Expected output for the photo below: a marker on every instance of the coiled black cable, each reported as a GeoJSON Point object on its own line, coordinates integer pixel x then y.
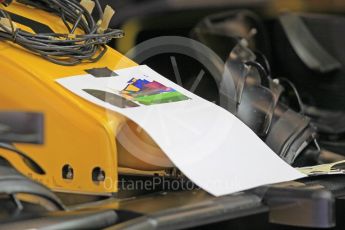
{"type": "Point", "coordinates": [67, 49]}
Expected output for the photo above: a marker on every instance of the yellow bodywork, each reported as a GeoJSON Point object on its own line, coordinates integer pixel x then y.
{"type": "Point", "coordinates": [77, 132]}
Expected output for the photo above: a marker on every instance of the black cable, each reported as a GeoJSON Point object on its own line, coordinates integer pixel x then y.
{"type": "Point", "coordinates": [63, 49]}
{"type": "Point", "coordinates": [297, 95]}
{"type": "Point", "coordinates": [263, 57]}
{"type": "Point", "coordinates": [262, 72]}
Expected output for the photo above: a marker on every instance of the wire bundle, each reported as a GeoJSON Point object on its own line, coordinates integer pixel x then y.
{"type": "Point", "coordinates": [64, 49]}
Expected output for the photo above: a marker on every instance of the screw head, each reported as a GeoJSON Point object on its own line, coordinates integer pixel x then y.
{"type": "Point", "coordinates": [98, 174]}
{"type": "Point", "coordinates": [67, 172]}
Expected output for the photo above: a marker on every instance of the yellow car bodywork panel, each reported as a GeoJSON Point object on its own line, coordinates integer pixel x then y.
{"type": "Point", "coordinates": [77, 132]}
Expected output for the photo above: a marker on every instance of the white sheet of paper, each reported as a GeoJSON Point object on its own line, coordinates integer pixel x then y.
{"type": "Point", "coordinates": [208, 144]}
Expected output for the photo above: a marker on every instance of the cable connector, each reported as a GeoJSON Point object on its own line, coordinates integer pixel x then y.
{"type": "Point", "coordinates": [5, 22]}
{"type": "Point", "coordinates": [89, 5]}
{"type": "Point", "coordinates": [104, 23]}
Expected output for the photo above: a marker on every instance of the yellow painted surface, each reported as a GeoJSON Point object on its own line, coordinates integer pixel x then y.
{"type": "Point", "coordinates": [77, 132]}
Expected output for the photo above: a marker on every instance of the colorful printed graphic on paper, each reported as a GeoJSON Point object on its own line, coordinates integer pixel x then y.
{"type": "Point", "coordinates": [150, 92]}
